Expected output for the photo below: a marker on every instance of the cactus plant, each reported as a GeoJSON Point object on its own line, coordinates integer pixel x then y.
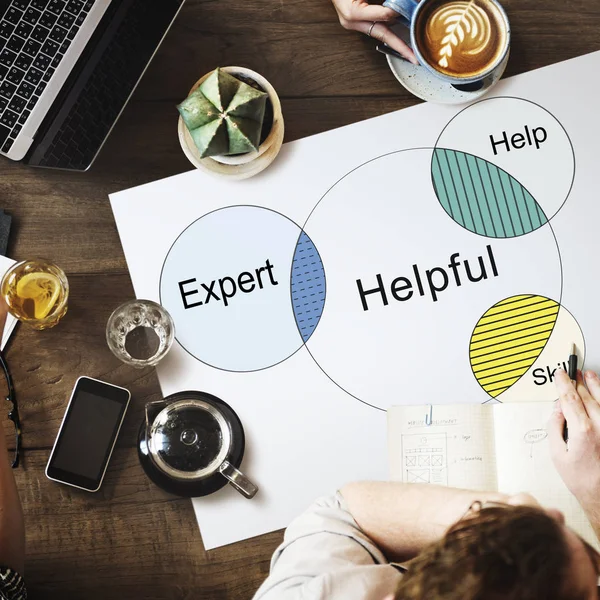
{"type": "Point", "coordinates": [224, 115]}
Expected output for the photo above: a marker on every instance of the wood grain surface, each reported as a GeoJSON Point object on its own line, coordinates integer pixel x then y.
{"type": "Point", "coordinates": [131, 540]}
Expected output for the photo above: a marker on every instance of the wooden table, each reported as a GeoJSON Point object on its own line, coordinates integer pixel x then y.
{"type": "Point", "coordinates": [131, 540]}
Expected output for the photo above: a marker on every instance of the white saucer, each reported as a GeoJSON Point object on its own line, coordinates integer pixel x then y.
{"type": "Point", "coordinates": [420, 82]}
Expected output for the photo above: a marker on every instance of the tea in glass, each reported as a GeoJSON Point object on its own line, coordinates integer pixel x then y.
{"type": "Point", "coordinates": [36, 293]}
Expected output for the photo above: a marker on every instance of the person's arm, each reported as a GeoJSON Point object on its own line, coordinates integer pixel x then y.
{"type": "Point", "coordinates": [578, 459]}
{"type": "Point", "coordinates": [343, 545]}
{"type": "Point", "coordinates": [403, 518]}
{"type": "Point", "coordinates": [325, 554]}
{"type": "Point", "coordinates": [12, 529]}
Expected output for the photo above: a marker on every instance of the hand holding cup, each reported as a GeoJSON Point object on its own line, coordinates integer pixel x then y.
{"type": "Point", "coordinates": [372, 20]}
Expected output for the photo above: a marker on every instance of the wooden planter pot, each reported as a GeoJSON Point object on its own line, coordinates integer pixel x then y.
{"type": "Point", "coordinates": [240, 166]}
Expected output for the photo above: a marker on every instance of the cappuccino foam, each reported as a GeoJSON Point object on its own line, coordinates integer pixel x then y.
{"type": "Point", "coordinates": [461, 38]}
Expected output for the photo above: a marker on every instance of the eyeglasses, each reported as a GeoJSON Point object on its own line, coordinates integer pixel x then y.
{"type": "Point", "coordinates": [13, 413]}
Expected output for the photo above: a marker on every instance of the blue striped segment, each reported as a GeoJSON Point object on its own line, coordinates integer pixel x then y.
{"type": "Point", "coordinates": [482, 197]}
{"type": "Point", "coordinates": [308, 286]}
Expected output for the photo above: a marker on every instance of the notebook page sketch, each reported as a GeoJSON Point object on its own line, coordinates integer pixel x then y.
{"type": "Point", "coordinates": [524, 464]}
{"type": "Point", "coordinates": [456, 450]}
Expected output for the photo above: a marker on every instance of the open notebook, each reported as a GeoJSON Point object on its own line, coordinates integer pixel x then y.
{"type": "Point", "coordinates": [493, 447]}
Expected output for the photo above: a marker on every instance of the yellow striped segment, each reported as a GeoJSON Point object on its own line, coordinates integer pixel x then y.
{"type": "Point", "coordinates": [509, 348]}
{"type": "Point", "coordinates": [514, 299]}
{"type": "Point", "coordinates": [516, 316]}
{"type": "Point", "coordinates": [512, 338]}
{"type": "Point", "coordinates": [509, 338]}
{"type": "Point", "coordinates": [505, 365]}
{"type": "Point", "coordinates": [478, 357]}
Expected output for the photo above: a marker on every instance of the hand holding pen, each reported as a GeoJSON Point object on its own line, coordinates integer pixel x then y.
{"type": "Point", "coordinates": [578, 462]}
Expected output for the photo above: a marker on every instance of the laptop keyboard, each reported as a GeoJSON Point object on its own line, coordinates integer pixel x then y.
{"type": "Point", "coordinates": [34, 36]}
{"type": "Point", "coordinates": [92, 107]}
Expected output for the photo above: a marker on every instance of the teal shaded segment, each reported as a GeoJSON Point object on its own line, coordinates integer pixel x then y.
{"type": "Point", "coordinates": [478, 190]}
{"type": "Point", "coordinates": [461, 195]}
{"type": "Point", "coordinates": [469, 193]}
{"type": "Point", "coordinates": [448, 185]}
{"type": "Point", "coordinates": [442, 194]}
{"type": "Point", "coordinates": [482, 197]}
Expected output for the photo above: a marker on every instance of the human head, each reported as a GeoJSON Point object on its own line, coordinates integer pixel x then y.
{"type": "Point", "coordinates": [504, 552]}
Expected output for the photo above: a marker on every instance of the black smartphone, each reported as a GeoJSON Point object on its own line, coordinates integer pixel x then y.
{"type": "Point", "coordinates": [88, 433]}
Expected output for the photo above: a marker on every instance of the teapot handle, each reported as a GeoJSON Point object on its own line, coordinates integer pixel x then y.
{"type": "Point", "coordinates": [238, 480]}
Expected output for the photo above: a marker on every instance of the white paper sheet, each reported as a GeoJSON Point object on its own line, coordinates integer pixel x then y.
{"type": "Point", "coordinates": [366, 197]}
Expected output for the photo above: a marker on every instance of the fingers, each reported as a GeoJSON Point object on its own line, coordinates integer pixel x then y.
{"type": "Point", "coordinates": [570, 402]}
{"type": "Point", "coordinates": [393, 41]}
{"type": "Point", "coordinates": [351, 13]}
{"type": "Point", "coordinates": [556, 430]}
{"type": "Point", "coordinates": [371, 19]}
{"type": "Point", "coordinates": [371, 12]}
{"type": "Point", "coordinates": [593, 384]}
{"type": "Point", "coordinates": [591, 406]}
{"type": "Point", "coordinates": [382, 33]}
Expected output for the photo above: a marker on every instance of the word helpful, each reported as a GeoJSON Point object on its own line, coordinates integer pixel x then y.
{"type": "Point", "coordinates": [431, 282]}
{"type": "Point", "coordinates": [535, 136]}
{"type": "Point", "coordinates": [225, 288]}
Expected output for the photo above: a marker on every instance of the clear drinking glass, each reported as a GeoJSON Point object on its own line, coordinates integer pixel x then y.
{"type": "Point", "coordinates": [140, 333]}
{"type": "Point", "coordinates": [36, 292]}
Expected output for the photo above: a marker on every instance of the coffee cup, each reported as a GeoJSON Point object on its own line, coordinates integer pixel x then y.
{"type": "Point", "coordinates": [462, 42]}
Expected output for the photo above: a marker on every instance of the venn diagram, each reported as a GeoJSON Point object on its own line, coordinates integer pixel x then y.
{"type": "Point", "coordinates": [437, 262]}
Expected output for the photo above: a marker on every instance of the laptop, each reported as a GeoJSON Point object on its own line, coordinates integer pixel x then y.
{"type": "Point", "coordinates": [67, 70]}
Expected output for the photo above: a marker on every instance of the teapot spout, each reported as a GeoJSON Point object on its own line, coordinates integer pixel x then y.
{"type": "Point", "coordinates": [152, 409]}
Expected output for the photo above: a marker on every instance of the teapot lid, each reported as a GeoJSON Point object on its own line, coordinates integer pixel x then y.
{"type": "Point", "coordinates": [189, 439]}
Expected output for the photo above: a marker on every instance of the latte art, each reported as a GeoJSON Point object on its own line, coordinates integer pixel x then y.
{"type": "Point", "coordinates": [461, 38]}
{"type": "Point", "coordinates": [467, 30]}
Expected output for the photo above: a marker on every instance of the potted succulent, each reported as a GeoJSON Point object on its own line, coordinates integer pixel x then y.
{"type": "Point", "coordinates": [231, 123]}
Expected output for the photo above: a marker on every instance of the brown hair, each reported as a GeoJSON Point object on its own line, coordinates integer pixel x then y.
{"type": "Point", "coordinates": [507, 553]}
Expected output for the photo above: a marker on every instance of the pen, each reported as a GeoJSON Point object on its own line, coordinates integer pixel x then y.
{"type": "Point", "coordinates": [385, 49]}
{"type": "Point", "coordinates": [572, 377]}
{"type": "Point", "coordinates": [573, 363]}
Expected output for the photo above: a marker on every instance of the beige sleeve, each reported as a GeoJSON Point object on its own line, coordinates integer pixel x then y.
{"type": "Point", "coordinates": [325, 555]}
